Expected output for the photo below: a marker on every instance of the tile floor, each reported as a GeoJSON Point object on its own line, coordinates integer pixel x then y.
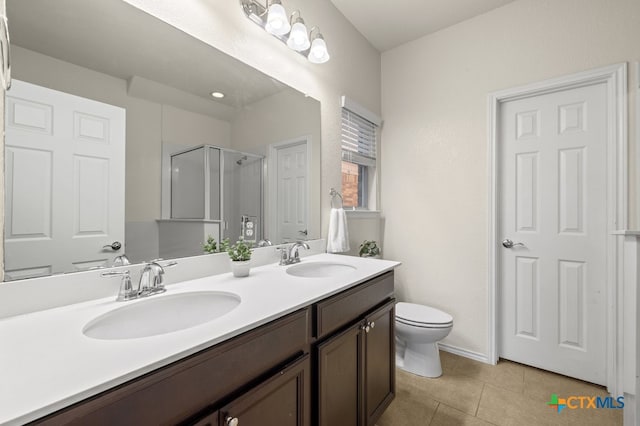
{"type": "Point", "coordinates": [473, 393]}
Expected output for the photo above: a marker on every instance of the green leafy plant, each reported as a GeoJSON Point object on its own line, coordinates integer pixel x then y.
{"type": "Point", "coordinates": [369, 249]}
{"type": "Point", "coordinates": [240, 251]}
{"type": "Point", "coordinates": [211, 246]}
{"type": "Point", "coordinates": [224, 245]}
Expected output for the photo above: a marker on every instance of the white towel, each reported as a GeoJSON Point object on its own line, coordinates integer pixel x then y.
{"type": "Point", "coordinates": [338, 239]}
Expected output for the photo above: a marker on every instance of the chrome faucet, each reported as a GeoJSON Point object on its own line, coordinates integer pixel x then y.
{"type": "Point", "coordinates": [289, 255]}
{"type": "Point", "coordinates": [151, 281]}
{"type": "Point", "coordinates": [294, 256]}
{"type": "Point", "coordinates": [264, 243]}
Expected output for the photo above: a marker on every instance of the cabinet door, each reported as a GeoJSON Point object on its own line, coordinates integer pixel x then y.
{"type": "Point", "coordinates": [339, 391]}
{"type": "Point", "coordinates": [379, 362]}
{"type": "Point", "coordinates": [283, 400]}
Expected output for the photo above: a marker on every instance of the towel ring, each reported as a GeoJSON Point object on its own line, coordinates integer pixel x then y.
{"type": "Point", "coordinates": [333, 194]}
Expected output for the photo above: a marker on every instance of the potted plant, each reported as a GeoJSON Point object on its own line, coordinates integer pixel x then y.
{"type": "Point", "coordinates": [369, 249]}
{"type": "Point", "coordinates": [240, 255]}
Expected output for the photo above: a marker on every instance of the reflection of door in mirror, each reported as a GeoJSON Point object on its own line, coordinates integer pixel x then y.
{"type": "Point", "coordinates": [65, 182]}
{"type": "Point", "coordinates": [291, 177]}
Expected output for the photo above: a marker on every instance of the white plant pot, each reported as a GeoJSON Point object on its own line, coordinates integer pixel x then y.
{"type": "Point", "coordinates": [240, 268]}
{"type": "Point", "coordinates": [377, 256]}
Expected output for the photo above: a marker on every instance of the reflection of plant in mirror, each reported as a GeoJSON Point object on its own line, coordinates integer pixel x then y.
{"type": "Point", "coordinates": [240, 251]}
{"type": "Point", "coordinates": [211, 246]}
{"type": "Point", "coordinates": [224, 245]}
{"type": "Point", "coordinates": [369, 249]}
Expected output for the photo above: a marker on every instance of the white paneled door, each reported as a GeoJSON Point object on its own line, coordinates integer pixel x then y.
{"type": "Point", "coordinates": [292, 193]}
{"type": "Point", "coordinates": [552, 223]}
{"type": "Point", "coordinates": [64, 171]}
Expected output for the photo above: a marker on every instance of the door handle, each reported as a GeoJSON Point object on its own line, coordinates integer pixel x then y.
{"type": "Point", "coordinates": [303, 232]}
{"type": "Point", "coordinates": [115, 246]}
{"type": "Point", "coordinates": [507, 243]}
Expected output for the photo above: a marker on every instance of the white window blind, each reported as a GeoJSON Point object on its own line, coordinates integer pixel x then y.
{"type": "Point", "coordinates": [358, 139]}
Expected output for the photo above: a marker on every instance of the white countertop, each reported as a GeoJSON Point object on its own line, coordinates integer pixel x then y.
{"type": "Point", "coordinates": [47, 363]}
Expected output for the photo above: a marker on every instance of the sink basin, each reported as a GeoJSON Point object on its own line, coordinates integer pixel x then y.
{"type": "Point", "coordinates": [319, 269]}
{"type": "Point", "coordinates": [161, 314]}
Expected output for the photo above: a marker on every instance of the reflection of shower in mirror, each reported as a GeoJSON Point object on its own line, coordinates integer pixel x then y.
{"type": "Point", "coordinates": [211, 193]}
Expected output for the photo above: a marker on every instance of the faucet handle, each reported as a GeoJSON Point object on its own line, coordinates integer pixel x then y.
{"type": "Point", "coordinates": [166, 265]}
{"type": "Point", "coordinates": [126, 291]}
{"type": "Point", "coordinates": [284, 255]}
{"type": "Point", "coordinates": [121, 260]}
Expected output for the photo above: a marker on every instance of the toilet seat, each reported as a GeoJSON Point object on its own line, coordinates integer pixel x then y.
{"type": "Point", "coordinates": [422, 316]}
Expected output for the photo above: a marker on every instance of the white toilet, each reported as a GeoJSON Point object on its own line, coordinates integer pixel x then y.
{"type": "Point", "coordinates": [418, 329]}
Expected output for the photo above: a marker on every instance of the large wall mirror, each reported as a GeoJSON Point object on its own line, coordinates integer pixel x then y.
{"type": "Point", "coordinates": [115, 145]}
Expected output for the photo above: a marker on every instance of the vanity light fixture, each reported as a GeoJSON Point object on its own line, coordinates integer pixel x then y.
{"type": "Point", "coordinates": [277, 22]}
{"type": "Point", "coordinates": [298, 38]}
{"type": "Point", "coordinates": [272, 17]}
{"type": "Point", "coordinates": [318, 53]}
{"type": "Point", "coordinates": [218, 95]}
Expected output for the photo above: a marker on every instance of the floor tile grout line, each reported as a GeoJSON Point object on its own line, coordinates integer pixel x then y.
{"type": "Point", "coordinates": [433, 416]}
{"type": "Point", "coordinates": [479, 400]}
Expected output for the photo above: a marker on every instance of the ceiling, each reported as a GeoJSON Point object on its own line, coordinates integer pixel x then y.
{"type": "Point", "coordinates": [387, 24]}
{"type": "Point", "coordinates": [105, 36]}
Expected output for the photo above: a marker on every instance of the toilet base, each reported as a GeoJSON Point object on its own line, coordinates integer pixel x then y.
{"type": "Point", "coordinates": [422, 359]}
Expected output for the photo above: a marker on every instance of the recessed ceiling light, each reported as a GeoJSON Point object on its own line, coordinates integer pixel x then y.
{"type": "Point", "coordinates": [217, 95]}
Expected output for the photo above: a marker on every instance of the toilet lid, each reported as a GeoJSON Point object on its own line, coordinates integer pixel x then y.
{"type": "Point", "coordinates": [421, 315]}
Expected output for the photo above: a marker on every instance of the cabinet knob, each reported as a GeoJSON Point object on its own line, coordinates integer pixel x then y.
{"type": "Point", "coordinates": [368, 326]}
{"type": "Point", "coordinates": [231, 421]}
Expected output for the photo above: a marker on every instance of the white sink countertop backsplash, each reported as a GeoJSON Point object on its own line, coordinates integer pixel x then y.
{"type": "Point", "coordinates": [47, 363]}
{"type": "Point", "coordinates": [37, 294]}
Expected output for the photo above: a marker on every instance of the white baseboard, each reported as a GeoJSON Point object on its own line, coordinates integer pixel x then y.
{"type": "Point", "coordinates": [476, 356]}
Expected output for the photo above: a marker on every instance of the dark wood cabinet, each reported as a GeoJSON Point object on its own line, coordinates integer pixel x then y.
{"type": "Point", "coordinates": [379, 362]}
{"type": "Point", "coordinates": [338, 378]}
{"type": "Point", "coordinates": [329, 364]}
{"type": "Point", "coordinates": [344, 308]}
{"type": "Point", "coordinates": [355, 376]}
{"type": "Point", "coordinates": [283, 400]}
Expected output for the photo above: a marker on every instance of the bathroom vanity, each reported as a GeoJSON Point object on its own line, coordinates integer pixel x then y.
{"type": "Point", "coordinates": [322, 353]}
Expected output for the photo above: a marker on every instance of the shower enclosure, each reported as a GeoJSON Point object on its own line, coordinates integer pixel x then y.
{"type": "Point", "coordinates": [221, 188]}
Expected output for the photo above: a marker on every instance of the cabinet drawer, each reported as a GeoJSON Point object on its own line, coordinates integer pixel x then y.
{"type": "Point", "coordinates": [178, 391]}
{"type": "Point", "coordinates": [347, 306]}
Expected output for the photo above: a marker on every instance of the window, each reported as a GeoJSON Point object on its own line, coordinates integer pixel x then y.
{"type": "Point", "coordinates": [358, 160]}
